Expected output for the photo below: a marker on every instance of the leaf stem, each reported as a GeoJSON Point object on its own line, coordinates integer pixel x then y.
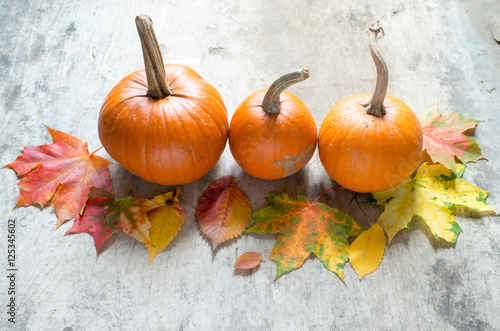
{"type": "Point", "coordinates": [335, 187]}
{"type": "Point", "coordinates": [355, 198]}
{"type": "Point", "coordinates": [153, 61]}
{"type": "Point", "coordinates": [97, 150]}
{"type": "Point", "coordinates": [128, 187]}
{"type": "Point", "coordinates": [271, 102]}
{"type": "Point", "coordinates": [376, 105]}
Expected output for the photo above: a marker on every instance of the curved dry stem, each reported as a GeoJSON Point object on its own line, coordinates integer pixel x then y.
{"type": "Point", "coordinates": [271, 102]}
{"type": "Point", "coordinates": [153, 61]}
{"type": "Point", "coordinates": [376, 105]}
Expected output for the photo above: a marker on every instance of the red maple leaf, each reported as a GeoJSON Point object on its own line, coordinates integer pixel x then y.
{"type": "Point", "coordinates": [98, 219]}
{"type": "Point", "coordinates": [62, 172]}
{"type": "Point", "coordinates": [446, 137]}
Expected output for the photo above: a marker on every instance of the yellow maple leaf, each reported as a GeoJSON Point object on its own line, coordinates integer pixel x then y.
{"type": "Point", "coordinates": [431, 194]}
{"type": "Point", "coordinates": [166, 220]}
{"type": "Point", "coordinates": [367, 250]}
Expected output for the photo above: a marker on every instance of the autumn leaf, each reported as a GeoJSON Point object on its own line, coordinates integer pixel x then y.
{"type": "Point", "coordinates": [166, 221]}
{"type": "Point", "coordinates": [133, 218]}
{"type": "Point", "coordinates": [97, 219]}
{"type": "Point", "coordinates": [104, 216]}
{"type": "Point", "coordinates": [305, 228]}
{"type": "Point", "coordinates": [223, 210]}
{"type": "Point", "coordinates": [367, 250]}
{"type": "Point", "coordinates": [431, 194]}
{"type": "Point", "coordinates": [248, 260]}
{"type": "Point", "coordinates": [62, 172]}
{"type": "Point", "coordinates": [445, 137]}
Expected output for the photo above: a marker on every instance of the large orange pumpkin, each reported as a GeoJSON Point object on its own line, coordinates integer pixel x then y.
{"type": "Point", "coordinates": [371, 142]}
{"type": "Point", "coordinates": [272, 133]}
{"type": "Point", "coordinates": [165, 123]}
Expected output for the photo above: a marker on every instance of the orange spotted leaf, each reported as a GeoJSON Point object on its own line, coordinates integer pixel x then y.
{"type": "Point", "coordinates": [61, 173]}
{"type": "Point", "coordinates": [305, 228]}
{"type": "Point", "coordinates": [133, 218]}
{"type": "Point", "coordinates": [104, 216]}
{"type": "Point", "coordinates": [447, 136]}
{"type": "Point", "coordinates": [223, 210]}
{"type": "Point", "coordinates": [248, 260]}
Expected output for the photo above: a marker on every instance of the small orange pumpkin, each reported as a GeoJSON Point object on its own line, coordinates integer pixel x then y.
{"type": "Point", "coordinates": [370, 142]}
{"type": "Point", "coordinates": [164, 124]}
{"type": "Point", "coordinates": [272, 133]}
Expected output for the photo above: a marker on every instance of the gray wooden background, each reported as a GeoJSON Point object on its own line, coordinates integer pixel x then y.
{"type": "Point", "coordinates": [59, 59]}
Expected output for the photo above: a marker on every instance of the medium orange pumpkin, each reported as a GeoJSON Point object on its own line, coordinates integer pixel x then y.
{"type": "Point", "coordinates": [164, 124]}
{"type": "Point", "coordinates": [370, 142]}
{"type": "Point", "coordinates": [272, 133]}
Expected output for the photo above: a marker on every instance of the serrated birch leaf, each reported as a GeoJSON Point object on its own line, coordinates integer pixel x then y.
{"type": "Point", "coordinates": [166, 221]}
{"type": "Point", "coordinates": [445, 137]}
{"type": "Point", "coordinates": [431, 194]}
{"type": "Point", "coordinates": [61, 173]}
{"type": "Point", "coordinates": [367, 250]}
{"type": "Point", "coordinates": [248, 260]}
{"type": "Point", "coordinates": [305, 228]}
{"type": "Point", "coordinates": [223, 210]}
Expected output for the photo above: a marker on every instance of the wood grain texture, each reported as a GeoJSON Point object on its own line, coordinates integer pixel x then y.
{"type": "Point", "coordinates": [59, 59]}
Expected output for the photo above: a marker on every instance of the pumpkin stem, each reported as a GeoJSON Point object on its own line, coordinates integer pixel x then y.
{"type": "Point", "coordinates": [271, 102]}
{"type": "Point", "coordinates": [376, 105]}
{"type": "Point", "coordinates": [153, 61]}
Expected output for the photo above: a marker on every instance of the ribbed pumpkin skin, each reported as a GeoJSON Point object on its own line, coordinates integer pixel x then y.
{"type": "Point", "coordinates": [169, 141]}
{"type": "Point", "coordinates": [365, 153]}
{"type": "Point", "coordinates": [272, 146]}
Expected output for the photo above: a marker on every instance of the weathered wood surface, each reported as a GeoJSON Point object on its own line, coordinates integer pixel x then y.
{"type": "Point", "coordinates": [60, 58]}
